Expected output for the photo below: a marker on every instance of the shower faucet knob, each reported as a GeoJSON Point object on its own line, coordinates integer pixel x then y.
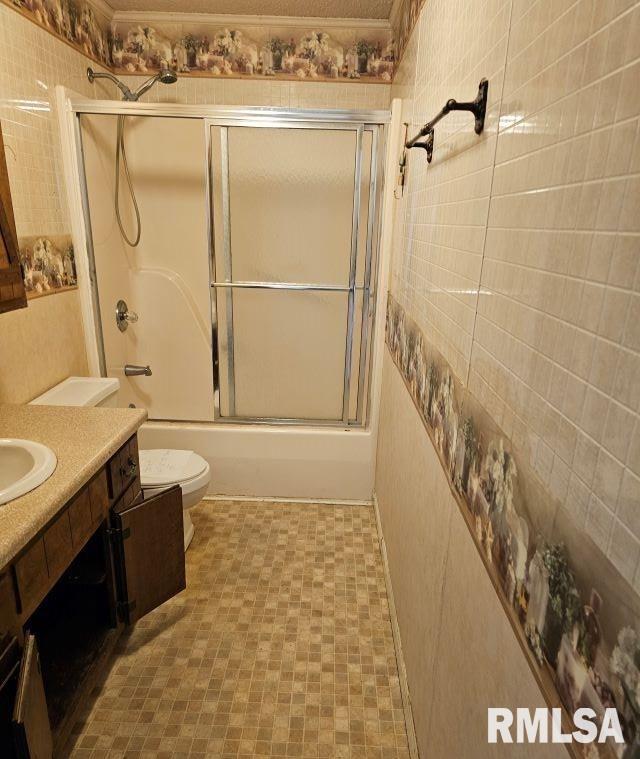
{"type": "Point", "coordinates": [124, 317]}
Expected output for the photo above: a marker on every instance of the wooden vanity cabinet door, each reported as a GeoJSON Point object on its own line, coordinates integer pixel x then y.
{"type": "Point", "coordinates": [150, 552]}
{"type": "Point", "coordinates": [31, 726]}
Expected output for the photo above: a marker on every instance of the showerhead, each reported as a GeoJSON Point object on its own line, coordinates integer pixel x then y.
{"type": "Point", "coordinates": [166, 76]}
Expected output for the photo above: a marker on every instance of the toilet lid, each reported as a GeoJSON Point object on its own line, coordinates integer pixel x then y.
{"type": "Point", "coordinates": [164, 466]}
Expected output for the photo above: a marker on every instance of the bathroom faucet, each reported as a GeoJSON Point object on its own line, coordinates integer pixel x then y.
{"type": "Point", "coordinates": [133, 370]}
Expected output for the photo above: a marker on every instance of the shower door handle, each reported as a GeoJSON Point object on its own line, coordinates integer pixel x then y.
{"type": "Point", "coordinates": [132, 370]}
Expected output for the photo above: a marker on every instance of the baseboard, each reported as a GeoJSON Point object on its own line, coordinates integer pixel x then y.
{"type": "Point", "coordinates": [327, 501]}
{"type": "Point", "coordinates": [402, 672]}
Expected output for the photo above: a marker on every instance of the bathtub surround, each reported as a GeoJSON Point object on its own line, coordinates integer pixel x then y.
{"type": "Point", "coordinates": [514, 276]}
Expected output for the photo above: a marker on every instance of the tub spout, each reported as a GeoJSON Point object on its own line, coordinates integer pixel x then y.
{"type": "Point", "coordinates": [131, 370]}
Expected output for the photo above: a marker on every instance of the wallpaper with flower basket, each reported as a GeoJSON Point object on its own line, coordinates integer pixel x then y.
{"type": "Point", "coordinates": [280, 52]}
{"type": "Point", "coordinates": [576, 617]}
{"type": "Point", "coordinates": [48, 265]}
{"type": "Point", "coordinates": [77, 22]}
{"type": "Point", "coordinates": [403, 22]}
{"type": "Point", "coordinates": [208, 49]}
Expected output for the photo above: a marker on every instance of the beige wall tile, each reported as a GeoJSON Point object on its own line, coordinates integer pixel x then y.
{"type": "Point", "coordinates": [553, 346]}
{"type": "Point", "coordinates": [44, 343]}
{"type": "Point", "coordinates": [539, 220]}
{"type": "Point", "coordinates": [459, 649]}
{"type": "Point", "coordinates": [40, 346]}
{"type": "Point", "coordinates": [415, 510]}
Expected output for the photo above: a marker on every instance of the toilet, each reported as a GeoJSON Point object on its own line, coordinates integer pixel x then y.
{"type": "Point", "coordinates": [160, 468]}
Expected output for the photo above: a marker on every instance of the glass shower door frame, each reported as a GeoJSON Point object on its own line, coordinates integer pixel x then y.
{"type": "Point", "coordinates": [221, 268]}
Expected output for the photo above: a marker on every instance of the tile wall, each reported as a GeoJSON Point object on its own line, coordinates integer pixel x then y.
{"type": "Point", "coordinates": [516, 255]}
{"type": "Point", "coordinates": [42, 344]}
{"type": "Point", "coordinates": [556, 353]}
{"type": "Point", "coordinates": [517, 251]}
{"type": "Point", "coordinates": [278, 94]}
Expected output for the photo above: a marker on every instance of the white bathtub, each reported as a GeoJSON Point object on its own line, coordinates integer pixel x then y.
{"type": "Point", "coordinates": [275, 462]}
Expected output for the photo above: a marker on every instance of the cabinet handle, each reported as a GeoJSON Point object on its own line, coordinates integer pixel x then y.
{"type": "Point", "coordinates": [131, 469]}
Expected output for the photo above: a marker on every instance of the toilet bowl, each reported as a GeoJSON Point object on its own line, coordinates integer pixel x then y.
{"type": "Point", "coordinates": [160, 468]}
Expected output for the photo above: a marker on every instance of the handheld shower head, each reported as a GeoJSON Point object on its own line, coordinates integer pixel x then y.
{"type": "Point", "coordinates": [166, 76]}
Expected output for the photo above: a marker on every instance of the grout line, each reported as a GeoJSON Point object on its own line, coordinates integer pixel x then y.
{"type": "Point", "coordinates": [395, 629]}
{"type": "Point", "coordinates": [493, 174]}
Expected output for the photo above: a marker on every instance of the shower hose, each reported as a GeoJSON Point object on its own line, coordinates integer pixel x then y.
{"type": "Point", "coordinates": [121, 151]}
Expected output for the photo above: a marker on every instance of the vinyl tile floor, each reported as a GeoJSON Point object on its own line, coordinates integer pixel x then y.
{"type": "Point", "coordinates": [281, 645]}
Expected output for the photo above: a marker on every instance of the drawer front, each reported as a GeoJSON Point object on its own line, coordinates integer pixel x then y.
{"type": "Point", "coordinates": [32, 576]}
{"type": "Point", "coordinates": [81, 519]}
{"type": "Point", "coordinates": [58, 546]}
{"type": "Point", "coordinates": [124, 469]}
{"type": "Point", "coordinates": [99, 497]}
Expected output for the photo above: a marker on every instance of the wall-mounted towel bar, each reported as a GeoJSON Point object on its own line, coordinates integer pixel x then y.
{"type": "Point", "coordinates": [478, 107]}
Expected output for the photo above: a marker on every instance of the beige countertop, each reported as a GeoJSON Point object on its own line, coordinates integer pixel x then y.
{"type": "Point", "coordinates": [83, 440]}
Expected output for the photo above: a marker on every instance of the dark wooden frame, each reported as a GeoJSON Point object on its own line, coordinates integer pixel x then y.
{"type": "Point", "coordinates": [143, 546]}
{"type": "Point", "coordinates": [12, 292]}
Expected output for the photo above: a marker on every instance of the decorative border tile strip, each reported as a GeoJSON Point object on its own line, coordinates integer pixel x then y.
{"type": "Point", "coordinates": [575, 617]}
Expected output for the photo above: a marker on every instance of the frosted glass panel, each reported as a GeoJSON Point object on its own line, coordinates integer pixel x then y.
{"type": "Point", "coordinates": [282, 209]}
{"type": "Point", "coordinates": [291, 204]}
{"type": "Point", "coordinates": [289, 353]}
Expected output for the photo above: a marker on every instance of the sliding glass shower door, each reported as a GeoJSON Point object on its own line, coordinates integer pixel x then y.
{"type": "Point", "coordinates": [293, 241]}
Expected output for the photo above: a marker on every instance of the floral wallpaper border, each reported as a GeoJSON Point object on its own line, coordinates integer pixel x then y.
{"type": "Point", "coordinates": [403, 23]}
{"type": "Point", "coordinates": [48, 265]}
{"type": "Point", "coordinates": [207, 48]}
{"type": "Point", "coordinates": [574, 614]}
{"type": "Point", "coordinates": [76, 22]}
{"type": "Point", "coordinates": [281, 52]}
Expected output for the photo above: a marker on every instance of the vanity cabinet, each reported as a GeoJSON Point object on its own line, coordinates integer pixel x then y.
{"type": "Point", "coordinates": [108, 557]}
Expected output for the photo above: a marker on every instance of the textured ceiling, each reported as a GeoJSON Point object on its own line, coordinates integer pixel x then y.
{"type": "Point", "coordinates": [318, 8]}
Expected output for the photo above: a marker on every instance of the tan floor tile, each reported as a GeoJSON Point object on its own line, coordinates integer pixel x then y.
{"type": "Point", "coordinates": [280, 646]}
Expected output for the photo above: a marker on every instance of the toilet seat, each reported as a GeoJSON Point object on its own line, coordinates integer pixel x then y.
{"type": "Point", "coordinates": [160, 467]}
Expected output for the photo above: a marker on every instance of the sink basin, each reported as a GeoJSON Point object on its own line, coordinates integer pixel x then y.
{"type": "Point", "coordinates": [23, 466]}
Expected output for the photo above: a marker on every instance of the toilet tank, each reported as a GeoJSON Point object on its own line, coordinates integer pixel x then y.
{"type": "Point", "coordinates": [81, 391]}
